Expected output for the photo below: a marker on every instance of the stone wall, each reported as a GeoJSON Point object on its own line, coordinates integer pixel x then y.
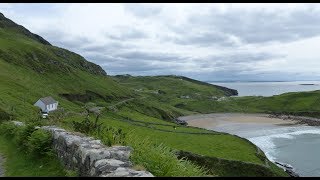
{"type": "Point", "coordinates": [90, 157]}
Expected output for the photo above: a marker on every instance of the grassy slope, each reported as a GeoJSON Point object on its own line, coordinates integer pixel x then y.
{"type": "Point", "coordinates": [18, 164]}
{"type": "Point", "coordinates": [172, 86]}
{"type": "Point", "coordinates": [21, 86]}
{"type": "Point", "coordinates": [288, 102]}
{"type": "Point", "coordinates": [300, 103]}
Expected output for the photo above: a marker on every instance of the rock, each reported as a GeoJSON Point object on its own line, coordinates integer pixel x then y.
{"type": "Point", "coordinates": [292, 173]}
{"type": "Point", "coordinates": [181, 122]}
{"type": "Point", "coordinates": [18, 123]}
{"type": "Point", "coordinates": [288, 168]}
{"type": "Point", "coordinates": [109, 165]}
{"type": "Point", "coordinates": [126, 172]}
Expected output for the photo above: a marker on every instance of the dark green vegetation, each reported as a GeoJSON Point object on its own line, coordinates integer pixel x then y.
{"type": "Point", "coordinates": [238, 168]}
{"type": "Point", "coordinates": [28, 152]}
{"type": "Point", "coordinates": [142, 107]}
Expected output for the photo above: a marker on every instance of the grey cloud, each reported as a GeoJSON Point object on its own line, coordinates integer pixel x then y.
{"type": "Point", "coordinates": [142, 11]}
{"type": "Point", "coordinates": [225, 65]}
{"type": "Point", "coordinates": [120, 54]}
{"type": "Point", "coordinates": [139, 55]}
{"type": "Point", "coordinates": [236, 76]}
{"type": "Point", "coordinates": [262, 26]}
{"type": "Point", "coordinates": [127, 33]}
{"type": "Point", "coordinates": [125, 62]}
{"type": "Point", "coordinates": [237, 62]}
{"type": "Point", "coordinates": [247, 57]}
{"type": "Point", "coordinates": [60, 38]}
{"type": "Point", "coordinates": [205, 39]}
{"type": "Point", "coordinates": [128, 65]}
{"type": "Point", "coordinates": [100, 58]}
{"type": "Point", "coordinates": [106, 48]}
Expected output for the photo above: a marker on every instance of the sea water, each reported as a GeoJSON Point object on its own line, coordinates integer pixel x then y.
{"type": "Point", "coordinates": [296, 145]}
{"type": "Point", "coordinates": [269, 88]}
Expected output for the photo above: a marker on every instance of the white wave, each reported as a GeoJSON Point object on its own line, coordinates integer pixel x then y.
{"type": "Point", "coordinates": [266, 144]}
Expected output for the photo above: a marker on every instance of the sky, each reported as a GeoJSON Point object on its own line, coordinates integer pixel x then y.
{"type": "Point", "coordinates": [209, 42]}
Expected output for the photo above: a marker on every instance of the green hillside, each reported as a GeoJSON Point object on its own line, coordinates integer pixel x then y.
{"type": "Point", "coordinates": [174, 86]}
{"type": "Point", "coordinates": [30, 69]}
{"type": "Point", "coordinates": [295, 103]}
{"type": "Point", "coordinates": [170, 93]}
{"type": "Point", "coordinates": [144, 107]}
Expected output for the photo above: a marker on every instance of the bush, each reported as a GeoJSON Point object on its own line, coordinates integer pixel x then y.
{"type": "Point", "coordinates": [111, 136]}
{"type": "Point", "coordinates": [22, 134]}
{"type": "Point", "coordinates": [29, 139]}
{"type": "Point", "coordinates": [85, 126]}
{"type": "Point", "coordinates": [4, 116]}
{"type": "Point", "coordinates": [8, 129]}
{"type": "Point", "coordinates": [39, 143]}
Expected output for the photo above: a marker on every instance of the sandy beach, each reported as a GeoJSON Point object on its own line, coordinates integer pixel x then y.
{"type": "Point", "coordinates": [217, 119]}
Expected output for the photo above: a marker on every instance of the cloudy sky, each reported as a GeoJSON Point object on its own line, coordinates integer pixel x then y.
{"type": "Point", "coordinates": [204, 41]}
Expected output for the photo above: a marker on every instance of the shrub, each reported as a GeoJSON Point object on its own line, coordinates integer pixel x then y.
{"type": "Point", "coordinates": [8, 129]}
{"type": "Point", "coordinates": [160, 160]}
{"type": "Point", "coordinates": [39, 143]}
{"type": "Point", "coordinates": [22, 135]}
{"type": "Point", "coordinates": [85, 126]}
{"type": "Point", "coordinates": [4, 116]}
{"type": "Point", "coordinates": [57, 115]}
{"type": "Point", "coordinates": [111, 136]}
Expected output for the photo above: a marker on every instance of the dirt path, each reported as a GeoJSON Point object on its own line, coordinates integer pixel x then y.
{"type": "Point", "coordinates": [1, 166]}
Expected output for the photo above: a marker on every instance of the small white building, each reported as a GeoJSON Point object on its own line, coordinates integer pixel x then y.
{"type": "Point", "coordinates": [47, 104]}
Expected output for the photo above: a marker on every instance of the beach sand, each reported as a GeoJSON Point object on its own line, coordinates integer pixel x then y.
{"type": "Point", "coordinates": [217, 119]}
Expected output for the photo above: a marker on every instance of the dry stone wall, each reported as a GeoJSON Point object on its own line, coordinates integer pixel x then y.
{"type": "Point", "coordinates": [90, 157]}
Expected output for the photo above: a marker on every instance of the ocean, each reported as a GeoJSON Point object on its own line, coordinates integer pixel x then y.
{"type": "Point", "coordinates": [296, 145]}
{"type": "Point", "coordinates": [269, 88]}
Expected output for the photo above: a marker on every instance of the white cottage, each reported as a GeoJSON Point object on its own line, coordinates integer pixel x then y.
{"type": "Point", "coordinates": [47, 104]}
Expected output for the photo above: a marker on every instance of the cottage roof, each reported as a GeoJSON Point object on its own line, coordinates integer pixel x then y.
{"type": "Point", "coordinates": [48, 100]}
